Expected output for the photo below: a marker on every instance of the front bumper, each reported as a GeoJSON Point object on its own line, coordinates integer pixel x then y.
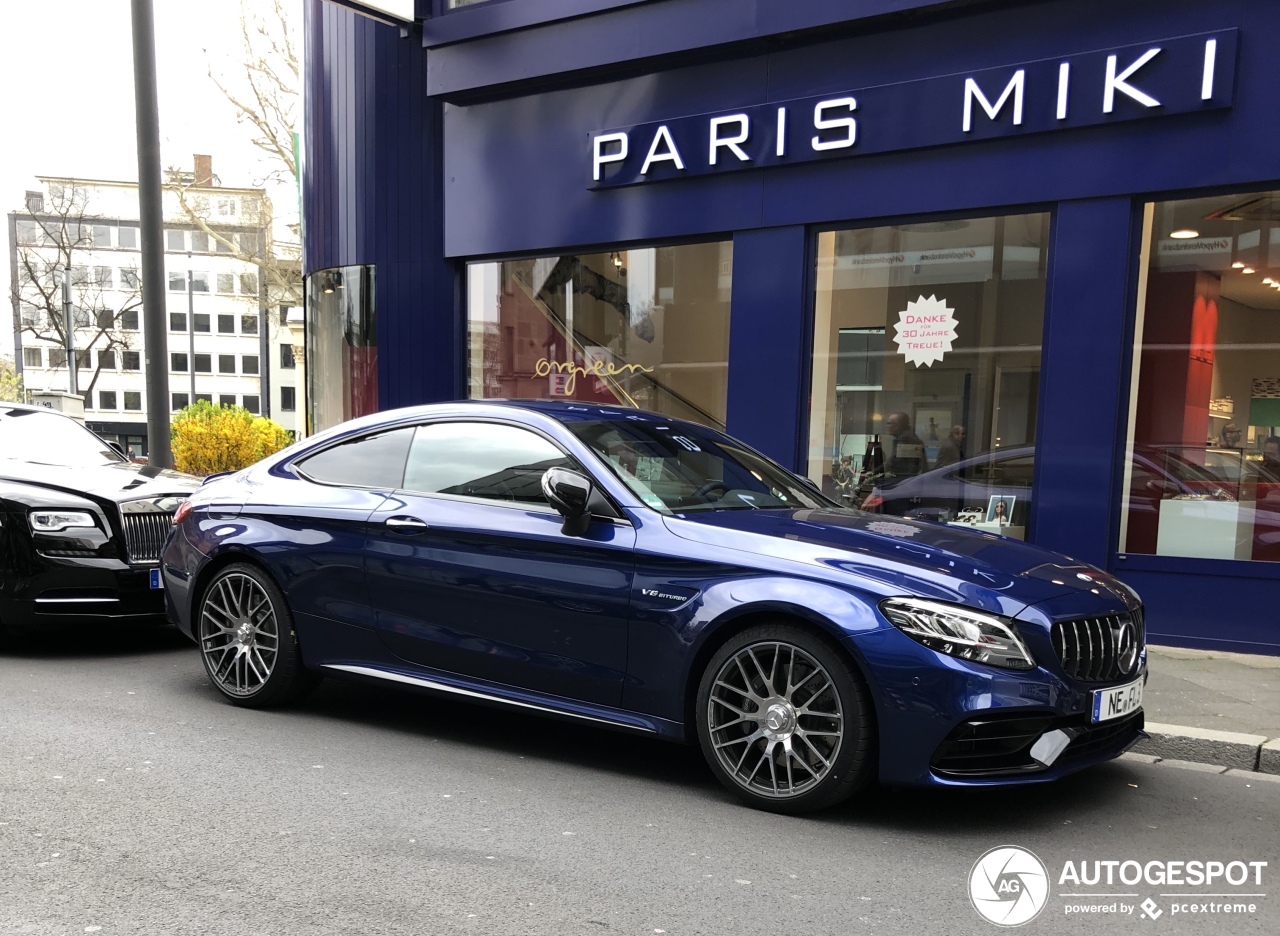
{"type": "Point", "coordinates": [943, 721]}
{"type": "Point", "coordinates": [64, 590]}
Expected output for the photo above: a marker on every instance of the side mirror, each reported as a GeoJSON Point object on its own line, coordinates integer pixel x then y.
{"type": "Point", "coordinates": [570, 494]}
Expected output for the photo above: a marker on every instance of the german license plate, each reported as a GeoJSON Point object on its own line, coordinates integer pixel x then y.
{"type": "Point", "coordinates": [1117, 702]}
{"type": "Point", "coordinates": [158, 582]}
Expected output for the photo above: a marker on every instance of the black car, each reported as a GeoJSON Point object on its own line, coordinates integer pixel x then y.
{"type": "Point", "coordinates": [81, 526]}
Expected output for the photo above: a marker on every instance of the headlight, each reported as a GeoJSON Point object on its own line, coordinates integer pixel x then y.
{"type": "Point", "coordinates": [960, 632]}
{"type": "Point", "coordinates": [54, 521]}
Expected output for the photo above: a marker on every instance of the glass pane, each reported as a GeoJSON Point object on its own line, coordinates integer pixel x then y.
{"type": "Point", "coordinates": [926, 368]}
{"type": "Point", "coordinates": [1203, 476]}
{"type": "Point", "coordinates": [374, 461]}
{"type": "Point", "coordinates": [483, 460]}
{"type": "Point", "coordinates": [342, 345]}
{"type": "Point", "coordinates": [647, 328]}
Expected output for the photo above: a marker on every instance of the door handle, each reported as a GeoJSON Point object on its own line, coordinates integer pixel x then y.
{"type": "Point", "coordinates": [405, 525]}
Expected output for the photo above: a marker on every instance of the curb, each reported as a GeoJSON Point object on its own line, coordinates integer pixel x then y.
{"type": "Point", "coordinates": [1227, 749]}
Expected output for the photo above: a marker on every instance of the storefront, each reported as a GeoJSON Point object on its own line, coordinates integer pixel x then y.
{"type": "Point", "coordinates": [1014, 265]}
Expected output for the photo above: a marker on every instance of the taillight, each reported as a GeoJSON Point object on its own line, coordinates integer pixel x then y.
{"type": "Point", "coordinates": [872, 502]}
{"type": "Point", "coordinates": [184, 509]}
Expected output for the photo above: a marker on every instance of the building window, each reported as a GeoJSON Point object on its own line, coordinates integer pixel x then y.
{"type": "Point", "coordinates": [249, 364]}
{"type": "Point", "coordinates": [226, 363]}
{"type": "Point", "coordinates": [288, 399]}
{"type": "Point", "coordinates": [106, 360]}
{"type": "Point", "coordinates": [200, 322]}
{"type": "Point", "coordinates": [204, 363]}
{"type": "Point", "coordinates": [102, 235]}
{"type": "Point", "coordinates": [84, 360]}
{"type": "Point", "coordinates": [226, 207]}
{"type": "Point", "coordinates": [226, 399]}
{"type": "Point", "coordinates": [248, 284]}
{"type": "Point", "coordinates": [342, 344]}
{"type": "Point", "coordinates": [102, 277]}
{"type": "Point", "coordinates": [926, 361]}
{"type": "Point", "coordinates": [129, 279]}
{"type": "Point", "coordinates": [249, 324]}
{"type": "Point", "coordinates": [226, 324]}
{"type": "Point", "coordinates": [251, 244]}
{"type": "Point", "coordinates": [200, 282]}
{"type": "Point", "coordinates": [106, 319]}
{"type": "Point", "coordinates": [177, 321]}
{"type": "Point", "coordinates": [251, 402]}
{"type": "Point", "coordinates": [129, 320]}
{"type": "Point", "coordinates": [646, 327]}
{"type": "Point", "coordinates": [28, 233]}
{"type": "Point", "coordinates": [178, 401]}
{"type": "Point", "coordinates": [204, 397]}
{"type": "Point", "coordinates": [32, 357]}
{"type": "Point", "coordinates": [106, 399]}
{"type": "Point", "coordinates": [57, 357]}
{"type": "Point", "coordinates": [131, 360]}
{"type": "Point", "coordinates": [177, 282]}
{"type": "Point", "coordinates": [133, 401]}
{"type": "Point", "coordinates": [199, 242]}
{"type": "Point", "coordinates": [1203, 475]}
{"type": "Point", "coordinates": [223, 244]}
{"type": "Point", "coordinates": [226, 283]}
{"type": "Point", "coordinates": [175, 240]}
{"type": "Point", "coordinates": [286, 357]}
{"type": "Point", "coordinates": [127, 235]}
{"type": "Point", "coordinates": [178, 362]}
{"type": "Point", "coordinates": [80, 275]}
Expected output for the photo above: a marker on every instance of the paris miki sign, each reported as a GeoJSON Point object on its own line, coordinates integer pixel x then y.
{"type": "Point", "coordinates": [1179, 75]}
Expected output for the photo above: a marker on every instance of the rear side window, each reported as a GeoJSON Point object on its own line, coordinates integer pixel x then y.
{"type": "Point", "coordinates": [375, 461]}
{"type": "Point", "coordinates": [485, 460]}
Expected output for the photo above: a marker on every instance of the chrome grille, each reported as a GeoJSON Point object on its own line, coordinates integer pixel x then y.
{"type": "Point", "coordinates": [144, 533]}
{"type": "Point", "coordinates": [1092, 649]}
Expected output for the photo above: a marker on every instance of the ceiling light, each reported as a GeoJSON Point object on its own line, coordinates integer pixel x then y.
{"type": "Point", "coordinates": [1248, 270]}
{"type": "Point", "coordinates": [1267, 281]}
{"type": "Point", "coordinates": [1239, 264]}
{"type": "Point", "coordinates": [1184, 233]}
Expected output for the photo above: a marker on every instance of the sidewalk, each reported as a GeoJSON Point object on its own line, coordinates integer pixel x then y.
{"type": "Point", "coordinates": [1213, 707]}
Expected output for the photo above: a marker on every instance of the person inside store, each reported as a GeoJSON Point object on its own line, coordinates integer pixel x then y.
{"type": "Point", "coordinates": [906, 451]}
{"type": "Point", "coordinates": [952, 448]}
{"type": "Point", "coordinates": [1271, 453]}
{"type": "Point", "coordinates": [1231, 435]}
{"type": "Point", "coordinates": [1269, 476]}
{"type": "Point", "coordinates": [845, 478]}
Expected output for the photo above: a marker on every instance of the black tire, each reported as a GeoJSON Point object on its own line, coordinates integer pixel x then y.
{"type": "Point", "coordinates": [810, 766]}
{"type": "Point", "coordinates": [241, 614]}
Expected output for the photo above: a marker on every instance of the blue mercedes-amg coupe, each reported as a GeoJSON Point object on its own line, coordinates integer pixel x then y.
{"type": "Point", "coordinates": [624, 569]}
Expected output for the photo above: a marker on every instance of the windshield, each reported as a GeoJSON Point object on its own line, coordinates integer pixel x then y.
{"type": "Point", "coordinates": [50, 439]}
{"type": "Point", "coordinates": [681, 468]}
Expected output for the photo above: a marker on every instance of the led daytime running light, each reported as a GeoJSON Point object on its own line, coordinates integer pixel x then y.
{"type": "Point", "coordinates": [960, 632]}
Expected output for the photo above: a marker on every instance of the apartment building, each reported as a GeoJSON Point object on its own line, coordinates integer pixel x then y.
{"type": "Point", "coordinates": [76, 242]}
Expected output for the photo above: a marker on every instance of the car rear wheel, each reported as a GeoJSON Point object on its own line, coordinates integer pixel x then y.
{"type": "Point", "coordinates": [784, 720]}
{"type": "Point", "coordinates": [247, 640]}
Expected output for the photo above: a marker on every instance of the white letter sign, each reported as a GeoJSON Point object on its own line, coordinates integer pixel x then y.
{"type": "Point", "coordinates": [831, 123]}
{"type": "Point", "coordinates": [600, 157]}
{"type": "Point", "coordinates": [730, 143]}
{"type": "Point", "coordinates": [671, 155]}
{"type": "Point", "coordinates": [1015, 87]}
{"type": "Point", "coordinates": [1120, 83]}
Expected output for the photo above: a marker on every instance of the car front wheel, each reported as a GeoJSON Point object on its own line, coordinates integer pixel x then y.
{"type": "Point", "coordinates": [784, 720]}
{"type": "Point", "coordinates": [247, 639]}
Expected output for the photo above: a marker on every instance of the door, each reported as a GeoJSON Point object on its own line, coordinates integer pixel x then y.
{"type": "Point", "coordinates": [470, 573]}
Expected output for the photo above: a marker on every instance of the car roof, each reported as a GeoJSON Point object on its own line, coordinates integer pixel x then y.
{"type": "Point", "coordinates": [33, 408]}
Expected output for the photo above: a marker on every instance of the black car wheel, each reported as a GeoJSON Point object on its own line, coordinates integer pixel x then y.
{"type": "Point", "coordinates": [785, 720]}
{"type": "Point", "coordinates": [247, 639]}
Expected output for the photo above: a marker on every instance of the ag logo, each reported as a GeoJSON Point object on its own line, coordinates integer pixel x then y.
{"type": "Point", "coordinates": [1009, 886]}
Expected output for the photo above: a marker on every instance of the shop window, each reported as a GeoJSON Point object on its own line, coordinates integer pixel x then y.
{"type": "Point", "coordinates": [342, 345]}
{"type": "Point", "coordinates": [926, 368]}
{"type": "Point", "coordinates": [645, 327]}
{"type": "Point", "coordinates": [1205, 425]}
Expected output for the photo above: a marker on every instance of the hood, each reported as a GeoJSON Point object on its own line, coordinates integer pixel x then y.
{"type": "Point", "coordinates": [120, 481]}
{"type": "Point", "coordinates": [896, 556]}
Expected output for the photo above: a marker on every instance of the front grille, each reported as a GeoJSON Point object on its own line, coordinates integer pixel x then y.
{"type": "Point", "coordinates": [144, 533]}
{"type": "Point", "coordinates": [1094, 649]}
{"type": "Point", "coordinates": [996, 745]}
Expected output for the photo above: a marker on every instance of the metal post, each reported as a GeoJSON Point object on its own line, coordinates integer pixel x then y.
{"type": "Point", "coordinates": [69, 331]}
{"type": "Point", "coordinates": [191, 330]}
{"type": "Point", "coordinates": [151, 218]}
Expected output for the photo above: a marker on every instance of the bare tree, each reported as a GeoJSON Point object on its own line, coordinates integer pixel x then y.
{"type": "Point", "coordinates": [262, 88]}
{"type": "Point", "coordinates": [56, 235]}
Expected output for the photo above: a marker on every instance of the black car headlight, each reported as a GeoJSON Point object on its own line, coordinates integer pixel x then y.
{"type": "Point", "coordinates": [959, 632]}
{"type": "Point", "coordinates": [55, 521]}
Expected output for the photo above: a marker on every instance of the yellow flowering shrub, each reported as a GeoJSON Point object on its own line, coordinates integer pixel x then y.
{"type": "Point", "coordinates": [208, 438]}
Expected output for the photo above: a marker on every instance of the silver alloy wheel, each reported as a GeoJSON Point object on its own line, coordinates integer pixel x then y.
{"type": "Point", "coordinates": [239, 634]}
{"type": "Point", "coordinates": [775, 719]}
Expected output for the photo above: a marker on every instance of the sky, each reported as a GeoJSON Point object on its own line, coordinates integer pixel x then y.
{"type": "Point", "coordinates": [66, 87]}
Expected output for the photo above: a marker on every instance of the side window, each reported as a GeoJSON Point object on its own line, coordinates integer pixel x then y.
{"type": "Point", "coordinates": [375, 461]}
{"type": "Point", "coordinates": [486, 460]}
{"type": "Point", "coordinates": [998, 472]}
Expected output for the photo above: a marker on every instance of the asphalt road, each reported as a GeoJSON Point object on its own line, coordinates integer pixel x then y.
{"type": "Point", "coordinates": [134, 801]}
